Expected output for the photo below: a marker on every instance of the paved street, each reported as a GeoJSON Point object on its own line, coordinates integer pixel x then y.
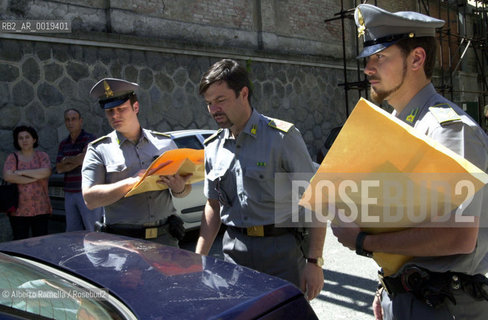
{"type": "Point", "coordinates": [350, 281]}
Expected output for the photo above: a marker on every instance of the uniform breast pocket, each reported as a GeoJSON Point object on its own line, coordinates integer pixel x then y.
{"type": "Point", "coordinates": [116, 172]}
{"type": "Point", "coordinates": [259, 184]}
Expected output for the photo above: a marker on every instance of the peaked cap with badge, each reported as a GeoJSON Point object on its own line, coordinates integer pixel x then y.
{"type": "Point", "coordinates": [112, 92]}
{"type": "Point", "coordinates": [382, 29]}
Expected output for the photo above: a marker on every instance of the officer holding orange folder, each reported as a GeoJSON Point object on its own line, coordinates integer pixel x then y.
{"type": "Point", "coordinates": [116, 162]}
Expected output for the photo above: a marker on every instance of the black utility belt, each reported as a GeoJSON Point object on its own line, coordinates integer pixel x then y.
{"type": "Point", "coordinates": [434, 287]}
{"type": "Point", "coordinates": [269, 230]}
{"type": "Point", "coordinates": [135, 231]}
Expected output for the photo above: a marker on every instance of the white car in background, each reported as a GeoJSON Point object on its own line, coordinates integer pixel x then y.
{"type": "Point", "coordinates": [190, 208]}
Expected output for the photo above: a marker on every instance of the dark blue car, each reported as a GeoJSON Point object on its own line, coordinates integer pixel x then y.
{"type": "Point", "coordinates": [82, 275]}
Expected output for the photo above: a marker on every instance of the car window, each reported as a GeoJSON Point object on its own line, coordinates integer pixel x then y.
{"type": "Point", "coordinates": [39, 292]}
{"type": "Point", "coordinates": [191, 142]}
{"type": "Point", "coordinates": [206, 135]}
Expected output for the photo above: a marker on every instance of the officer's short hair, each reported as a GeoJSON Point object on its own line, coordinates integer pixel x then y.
{"type": "Point", "coordinates": [429, 44]}
{"type": "Point", "coordinates": [72, 109]}
{"type": "Point", "coordinates": [229, 71]}
{"type": "Point", "coordinates": [133, 99]}
{"type": "Point", "coordinates": [28, 129]}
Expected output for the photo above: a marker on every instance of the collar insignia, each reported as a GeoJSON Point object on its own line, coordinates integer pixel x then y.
{"type": "Point", "coordinates": [253, 129]}
{"type": "Point", "coordinates": [411, 117]}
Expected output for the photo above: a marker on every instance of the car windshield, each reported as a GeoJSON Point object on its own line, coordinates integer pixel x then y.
{"type": "Point", "coordinates": [191, 142]}
{"type": "Point", "coordinates": [28, 290]}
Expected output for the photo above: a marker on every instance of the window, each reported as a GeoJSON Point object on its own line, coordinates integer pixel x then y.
{"type": "Point", "coordinates": [191, 142]}
{"type": "Point", "coordinates": [29, 290]}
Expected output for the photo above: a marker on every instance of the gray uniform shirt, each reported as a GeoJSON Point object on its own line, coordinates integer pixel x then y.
{"type": "Point", "coordinates": [113, 158]}
{"type": "Point", "coordinates": [240, 172]}
{"type": "Point", "coordinates": [440, 119]}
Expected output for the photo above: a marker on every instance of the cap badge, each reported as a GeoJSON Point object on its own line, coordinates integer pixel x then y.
{"type": "Point", "coordinates": [361, 27]}
{"type": "Point", "coordinates": [108, 91]}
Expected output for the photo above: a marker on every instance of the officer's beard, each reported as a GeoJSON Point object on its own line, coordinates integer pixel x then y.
{"type": "Point", "coordinates": [225, 123]}
{"type": "Point", "coordinates": [378, 96]}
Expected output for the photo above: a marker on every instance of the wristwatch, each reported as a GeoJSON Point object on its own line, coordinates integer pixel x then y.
{"type": "Point", "coordinates": [359, 245]}
{"type": "Point", "coordinates": [317, 261]}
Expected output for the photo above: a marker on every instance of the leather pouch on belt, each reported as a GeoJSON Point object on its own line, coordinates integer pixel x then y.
{"type": "Point", "coordinates": [176, 227]}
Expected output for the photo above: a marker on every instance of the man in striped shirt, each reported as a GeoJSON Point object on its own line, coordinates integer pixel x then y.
{"type": "Point", "coordinates": [69, 160]}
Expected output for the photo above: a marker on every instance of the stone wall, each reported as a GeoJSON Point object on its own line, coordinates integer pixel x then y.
{"type": "Point", "coordinates": [39, 80]}
{"type": "Point", "coordinates": [295, 60]}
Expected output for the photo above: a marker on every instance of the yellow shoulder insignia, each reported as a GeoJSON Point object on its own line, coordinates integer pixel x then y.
{"type": "Point", "coordinates": [444, 113]}
{"type": "Point", "coordinates": [98, 140]}
{"type": "Point", "coordinates": [280, 125]}
{"type": "Point", "coordinates": [161, 134]}
{"type": "Point", "coordinates": [212, 137]}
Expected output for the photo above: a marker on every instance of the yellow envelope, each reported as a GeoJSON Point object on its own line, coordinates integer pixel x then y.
{"type": "Point", "coordinates": [182, 161]}
{"type": "Point", "coordinates": [383, 175]}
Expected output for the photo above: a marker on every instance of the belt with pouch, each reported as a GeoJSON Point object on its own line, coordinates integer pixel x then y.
{"type": "Point", "coordinates": [434, 287]}
{"type": "Point", "coordinates": [398, 284]}
{"type": "Point", "coordinates": [136, 231]}
{"type": "Point", "coordinates": [269, 230]}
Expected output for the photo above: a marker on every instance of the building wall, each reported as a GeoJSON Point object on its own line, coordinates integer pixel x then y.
{"type": "Point", "coordinates": [39, 80]}
{"type": "Point", "coordinates": [295, 61]}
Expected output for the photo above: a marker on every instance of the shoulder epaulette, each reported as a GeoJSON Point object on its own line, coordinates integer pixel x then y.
{"type": "Point", "coordinates": [161, 134]}
{"type": "Point", "coordinates": [98, 140]}
{"type": "Point", "coordinates": [280, 125]}
{"type": "Point", "coordinates": [444, 113]}
{"type": "Point", "coordinates": [212, 137]}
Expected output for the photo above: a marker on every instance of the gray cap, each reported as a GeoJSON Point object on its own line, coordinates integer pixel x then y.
{"type": "Point", "coordinates": [112, 92]}
{"type": "Point", "coordinates": [381, 28]}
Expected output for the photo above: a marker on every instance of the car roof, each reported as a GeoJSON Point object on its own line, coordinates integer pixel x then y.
{"type": "Point", "coordinates": [170, 283]}
{"type": "Point", "coordinates": [189, 132]}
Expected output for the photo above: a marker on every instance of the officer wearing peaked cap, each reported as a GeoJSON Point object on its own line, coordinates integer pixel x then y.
{"type": "Point", "coordinates": [382, 29]}
{"type": "Point", "coordinates": [244, 193]}
{"type": "Point", "coordinates": [444, 273]}
{"type": "Point", "coordinates": [115, 163]}
{"type": "Point", "coordinates": [112, 92]}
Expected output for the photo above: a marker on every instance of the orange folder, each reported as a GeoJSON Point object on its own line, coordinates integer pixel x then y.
{"type": "Point", "coordinates": [182, 161]}
{"type": "Point", "coordinates": [383, 175]}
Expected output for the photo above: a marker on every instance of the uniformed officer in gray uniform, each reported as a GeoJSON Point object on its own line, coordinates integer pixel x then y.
{"type": "Point", "coordinates": [115, 163]}
{"type": "Point", "coordinates": [445, 279]}
{"type": "Point", "coordinates": [241, 161]}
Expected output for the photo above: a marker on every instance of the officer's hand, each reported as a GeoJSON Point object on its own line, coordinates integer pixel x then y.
{"type": "Point", "coordinates": [378, 312]}
{"type": "Point", "coordinates": [131, 181]}
{"type": "Point", "coordinates": [140, 173]}
{"type": "Point", "coordinates": [175, 182]}
{"type": "Point", "coordinates": [346, 233]}
{"type": "Point", "coordinates": [312, 280]}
